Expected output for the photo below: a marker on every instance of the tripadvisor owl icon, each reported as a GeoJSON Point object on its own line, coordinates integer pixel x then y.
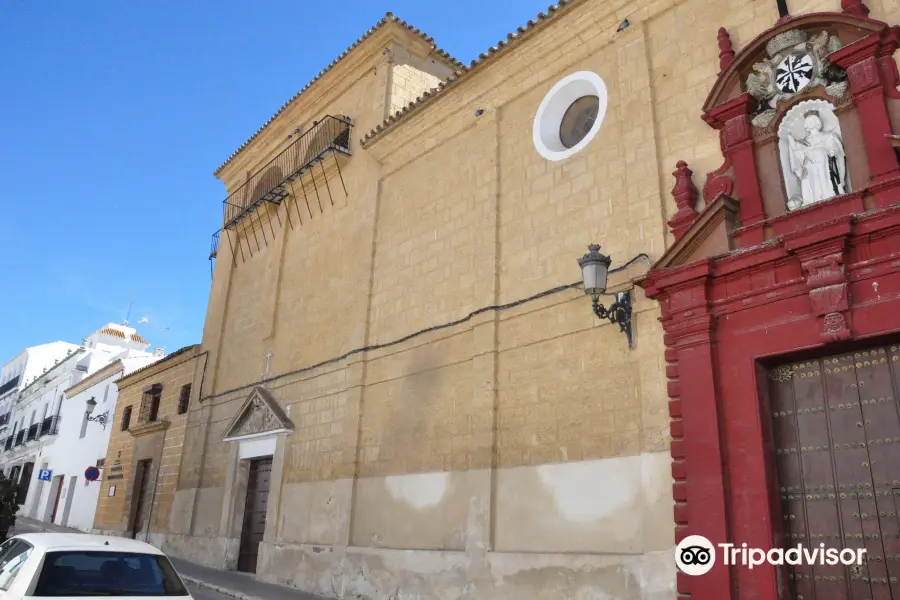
{"type": "Point", "coordinates": [695, 555]}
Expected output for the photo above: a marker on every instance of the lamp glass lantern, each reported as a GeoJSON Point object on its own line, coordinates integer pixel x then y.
{"type": "Point", "coordinates": [594, 270]}
{"type": "Point", "coordinates": [595, 275]}
{"type": "Point", "coordinates": [90, 405]}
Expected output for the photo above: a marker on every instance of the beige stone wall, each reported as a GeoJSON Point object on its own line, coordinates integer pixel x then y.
{"type": "Point", "coordinates": [516, 450]}
{"type": "Point", "coordinates": [163, 447]}
{"type": "Point", "coordinates": [408, 83]}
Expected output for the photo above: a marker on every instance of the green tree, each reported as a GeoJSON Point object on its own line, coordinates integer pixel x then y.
{"type": "Point", "coordinates": [8, 504]}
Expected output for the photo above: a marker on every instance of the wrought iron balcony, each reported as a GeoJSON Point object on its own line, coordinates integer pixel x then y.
{"type": "Point", "coordinates": [33, 432]}
{"type": "Point", "coordinates": [49, 426]}
{"type": "Point", "coordinates": [8, 444]}
{"type": "Point", "coordinates": [270, 183]}
{"type": "Point", "coordinates": [20, 438]}
{"type": "Point", "coordinates": [11, 384]}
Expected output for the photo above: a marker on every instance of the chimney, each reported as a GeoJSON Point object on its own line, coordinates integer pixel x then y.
{"type": "Point", "coordinates": [159, 352]}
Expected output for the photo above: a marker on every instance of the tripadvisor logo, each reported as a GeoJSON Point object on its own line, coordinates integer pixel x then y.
{"type": "Point", "coordinates": [696, 555]}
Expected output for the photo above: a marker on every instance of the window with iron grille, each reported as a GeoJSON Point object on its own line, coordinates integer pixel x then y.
{"type": "Point", "coordinates": [184, 399]}
{"type": "Point", "coordinates": [126, 418]}
{"type": "Point", "coordinates": [150, 403]}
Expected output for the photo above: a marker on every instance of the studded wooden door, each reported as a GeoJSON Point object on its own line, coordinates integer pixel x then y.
{"type": "Point", "coordinates": [836, 430]}
{"type": "Point", "coordinates": [254, 528]}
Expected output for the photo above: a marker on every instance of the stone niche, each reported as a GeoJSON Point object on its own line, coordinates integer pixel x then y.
{"type": "Point", "coordinates": [805, 112]}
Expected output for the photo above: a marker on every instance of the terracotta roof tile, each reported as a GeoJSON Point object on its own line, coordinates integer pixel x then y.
{"type": "Point", "coordinates": [493, 51]}
{"type": "Point", "coordinates": [388, 18]}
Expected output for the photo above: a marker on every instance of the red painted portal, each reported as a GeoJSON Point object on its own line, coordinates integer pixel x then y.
{"type": "Point", "coordinates": [749, 284]}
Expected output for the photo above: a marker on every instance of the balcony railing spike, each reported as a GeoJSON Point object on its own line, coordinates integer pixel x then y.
{"type": "Point", "coordinates": [270, 184]}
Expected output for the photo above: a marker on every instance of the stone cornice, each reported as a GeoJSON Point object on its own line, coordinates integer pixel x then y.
{"type": "Point", "coordinates": [104, 373]}
{"type": "Point", "coordinates": [416, 130]}
{"type": "Point", "coordinates": [150, 427]}
{"type": "Point", "coordinates": [364, 48]}
{"type": "Point", "coordinates": [184, 354]}
{"type": "Point", "coordinates": [37, 379]}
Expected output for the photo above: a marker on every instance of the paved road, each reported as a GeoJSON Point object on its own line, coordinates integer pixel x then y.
{"type": "Point", "coordinates": [200, 593]}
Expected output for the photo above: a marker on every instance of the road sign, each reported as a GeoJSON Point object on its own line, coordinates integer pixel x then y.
{"type": "Point", "coordinates": [92, 473]}
{"type": "Point", "coordinates": [44, 474]}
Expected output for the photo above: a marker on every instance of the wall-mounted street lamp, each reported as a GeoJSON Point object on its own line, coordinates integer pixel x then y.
{"type": "Point", "coordinates": [594, 274]}
{"type": "Point", "coordinates": [102, 418]}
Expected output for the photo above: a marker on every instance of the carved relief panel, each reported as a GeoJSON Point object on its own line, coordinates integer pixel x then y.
{"type": "Point", "coordinates": [802, 119]}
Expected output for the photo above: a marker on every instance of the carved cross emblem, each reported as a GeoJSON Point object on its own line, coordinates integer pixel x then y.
{"type": "Point", "coordinates": [794, 73]}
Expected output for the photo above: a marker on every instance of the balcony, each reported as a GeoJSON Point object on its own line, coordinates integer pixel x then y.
{"type": "Point", "coordinates": [284, 175]}
{"type": "Point", "coordinates": [20, 438]}
{"type": "Point", "coordinates": [49, 426]}
{"type": "Point", "coordinates": [33, 432]}
{"type": "Point", "coordinates": [9, 385]}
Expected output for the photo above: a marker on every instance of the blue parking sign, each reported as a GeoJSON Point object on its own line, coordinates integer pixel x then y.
{"type": "Point", "coordinates": [44, 474]}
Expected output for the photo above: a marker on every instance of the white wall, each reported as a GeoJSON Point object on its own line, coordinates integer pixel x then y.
{"type": "Point", "coordinates": [70, 454]}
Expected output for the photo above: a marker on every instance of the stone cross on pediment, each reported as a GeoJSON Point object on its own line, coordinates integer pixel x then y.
{"type": "Point", "coordinates": [260, 413]}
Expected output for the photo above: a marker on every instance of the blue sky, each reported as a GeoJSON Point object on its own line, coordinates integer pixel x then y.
{"type": "Point", "coordinates": [112, 118]}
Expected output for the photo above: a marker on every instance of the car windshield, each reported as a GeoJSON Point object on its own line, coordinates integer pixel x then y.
{"type": "Point", "coordinates": [87, 573]}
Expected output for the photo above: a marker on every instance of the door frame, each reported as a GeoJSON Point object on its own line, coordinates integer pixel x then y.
{"type": "Point", "coordinates": [142, 470]}
{"type": "Point", "coordinates": [723, 459]}
{"type": "Point", "coordinates": [246, 468]}
{"type": "Point", "coordinates": [55, 492]}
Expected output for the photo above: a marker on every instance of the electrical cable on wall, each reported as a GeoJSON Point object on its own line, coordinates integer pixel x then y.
{"type": "Point", "coordinates": [496, 307]}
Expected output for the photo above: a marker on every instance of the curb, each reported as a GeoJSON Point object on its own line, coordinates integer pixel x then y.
{"type": "Point", "coordinates": [217, 588]}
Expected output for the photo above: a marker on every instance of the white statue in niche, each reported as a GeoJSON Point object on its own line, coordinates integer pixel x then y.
{"type": "Point", "coordinates": [813, 157]}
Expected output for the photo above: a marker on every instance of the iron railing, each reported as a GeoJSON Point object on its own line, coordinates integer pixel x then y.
{"type": "Point", "coordinates": [214, 246]}
{"type": "Point", "coordinates": [11, 384]}
{"type": "Point", "coordinates": [269, 184]}
{"type": "Point", "coordinates": [20, 438]}
{"type": "Point", "coordinates": [149, 409]}
{"type": "Point", "coordinates": [33, 432]}
{"type": "Point", "coordinates": [8, 444]}
{"type": "Point", "coordinates": [50, 426]}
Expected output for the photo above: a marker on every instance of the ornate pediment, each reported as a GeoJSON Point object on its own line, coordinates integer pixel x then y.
{"type": "Point", "coordinates": [789, 59]}
{"type": "Point", "coordinates": [259, 414]}
{"type": "Point", "coordinates": [709, 235]}
{"type": "Point", "coordinates": [795, 62]}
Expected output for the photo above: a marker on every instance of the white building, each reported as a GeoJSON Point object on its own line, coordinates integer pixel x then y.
{"type": "Point", "coordinates": [69, 498]}
{"type": "Point", "coordinates": [42, 419]}
{"type": "Point", "coordinates": [14, 377]}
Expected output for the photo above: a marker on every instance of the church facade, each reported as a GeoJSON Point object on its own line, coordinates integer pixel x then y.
{"type": "Point", "coordinates": [403, 390]}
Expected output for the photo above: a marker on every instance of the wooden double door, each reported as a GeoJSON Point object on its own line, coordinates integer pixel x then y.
{"type": "Point", "coordinates": [254, 523]}
{"type": "Point", "coordinates": [836, 431]}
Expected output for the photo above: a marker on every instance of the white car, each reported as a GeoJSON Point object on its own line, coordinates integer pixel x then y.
{"type": "Point", "coordinates": [73, 565]}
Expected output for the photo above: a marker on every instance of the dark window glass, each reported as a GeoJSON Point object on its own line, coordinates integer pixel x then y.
{"type": "Point", "coordinates": [578, 120]}
{"type": "Point", "coordinates": [92, 573]}
{"type": "Point", "coordinates": [184, 399]}
{"type": "Point", "coordinates": [126, 418]}
{"type": "Point", "coordinates": [12, 557]}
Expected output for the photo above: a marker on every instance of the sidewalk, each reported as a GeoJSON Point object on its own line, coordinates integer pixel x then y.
{"type": "Point", "coordinates": [229, 583]}
{"type": "Point", "coordinates": [237, 585]}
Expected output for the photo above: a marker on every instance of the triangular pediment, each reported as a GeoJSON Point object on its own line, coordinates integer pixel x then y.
{"type": "Point", "coordinates": [259, 414]}
{"type": "Point", "coordinates": [709, 235]}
